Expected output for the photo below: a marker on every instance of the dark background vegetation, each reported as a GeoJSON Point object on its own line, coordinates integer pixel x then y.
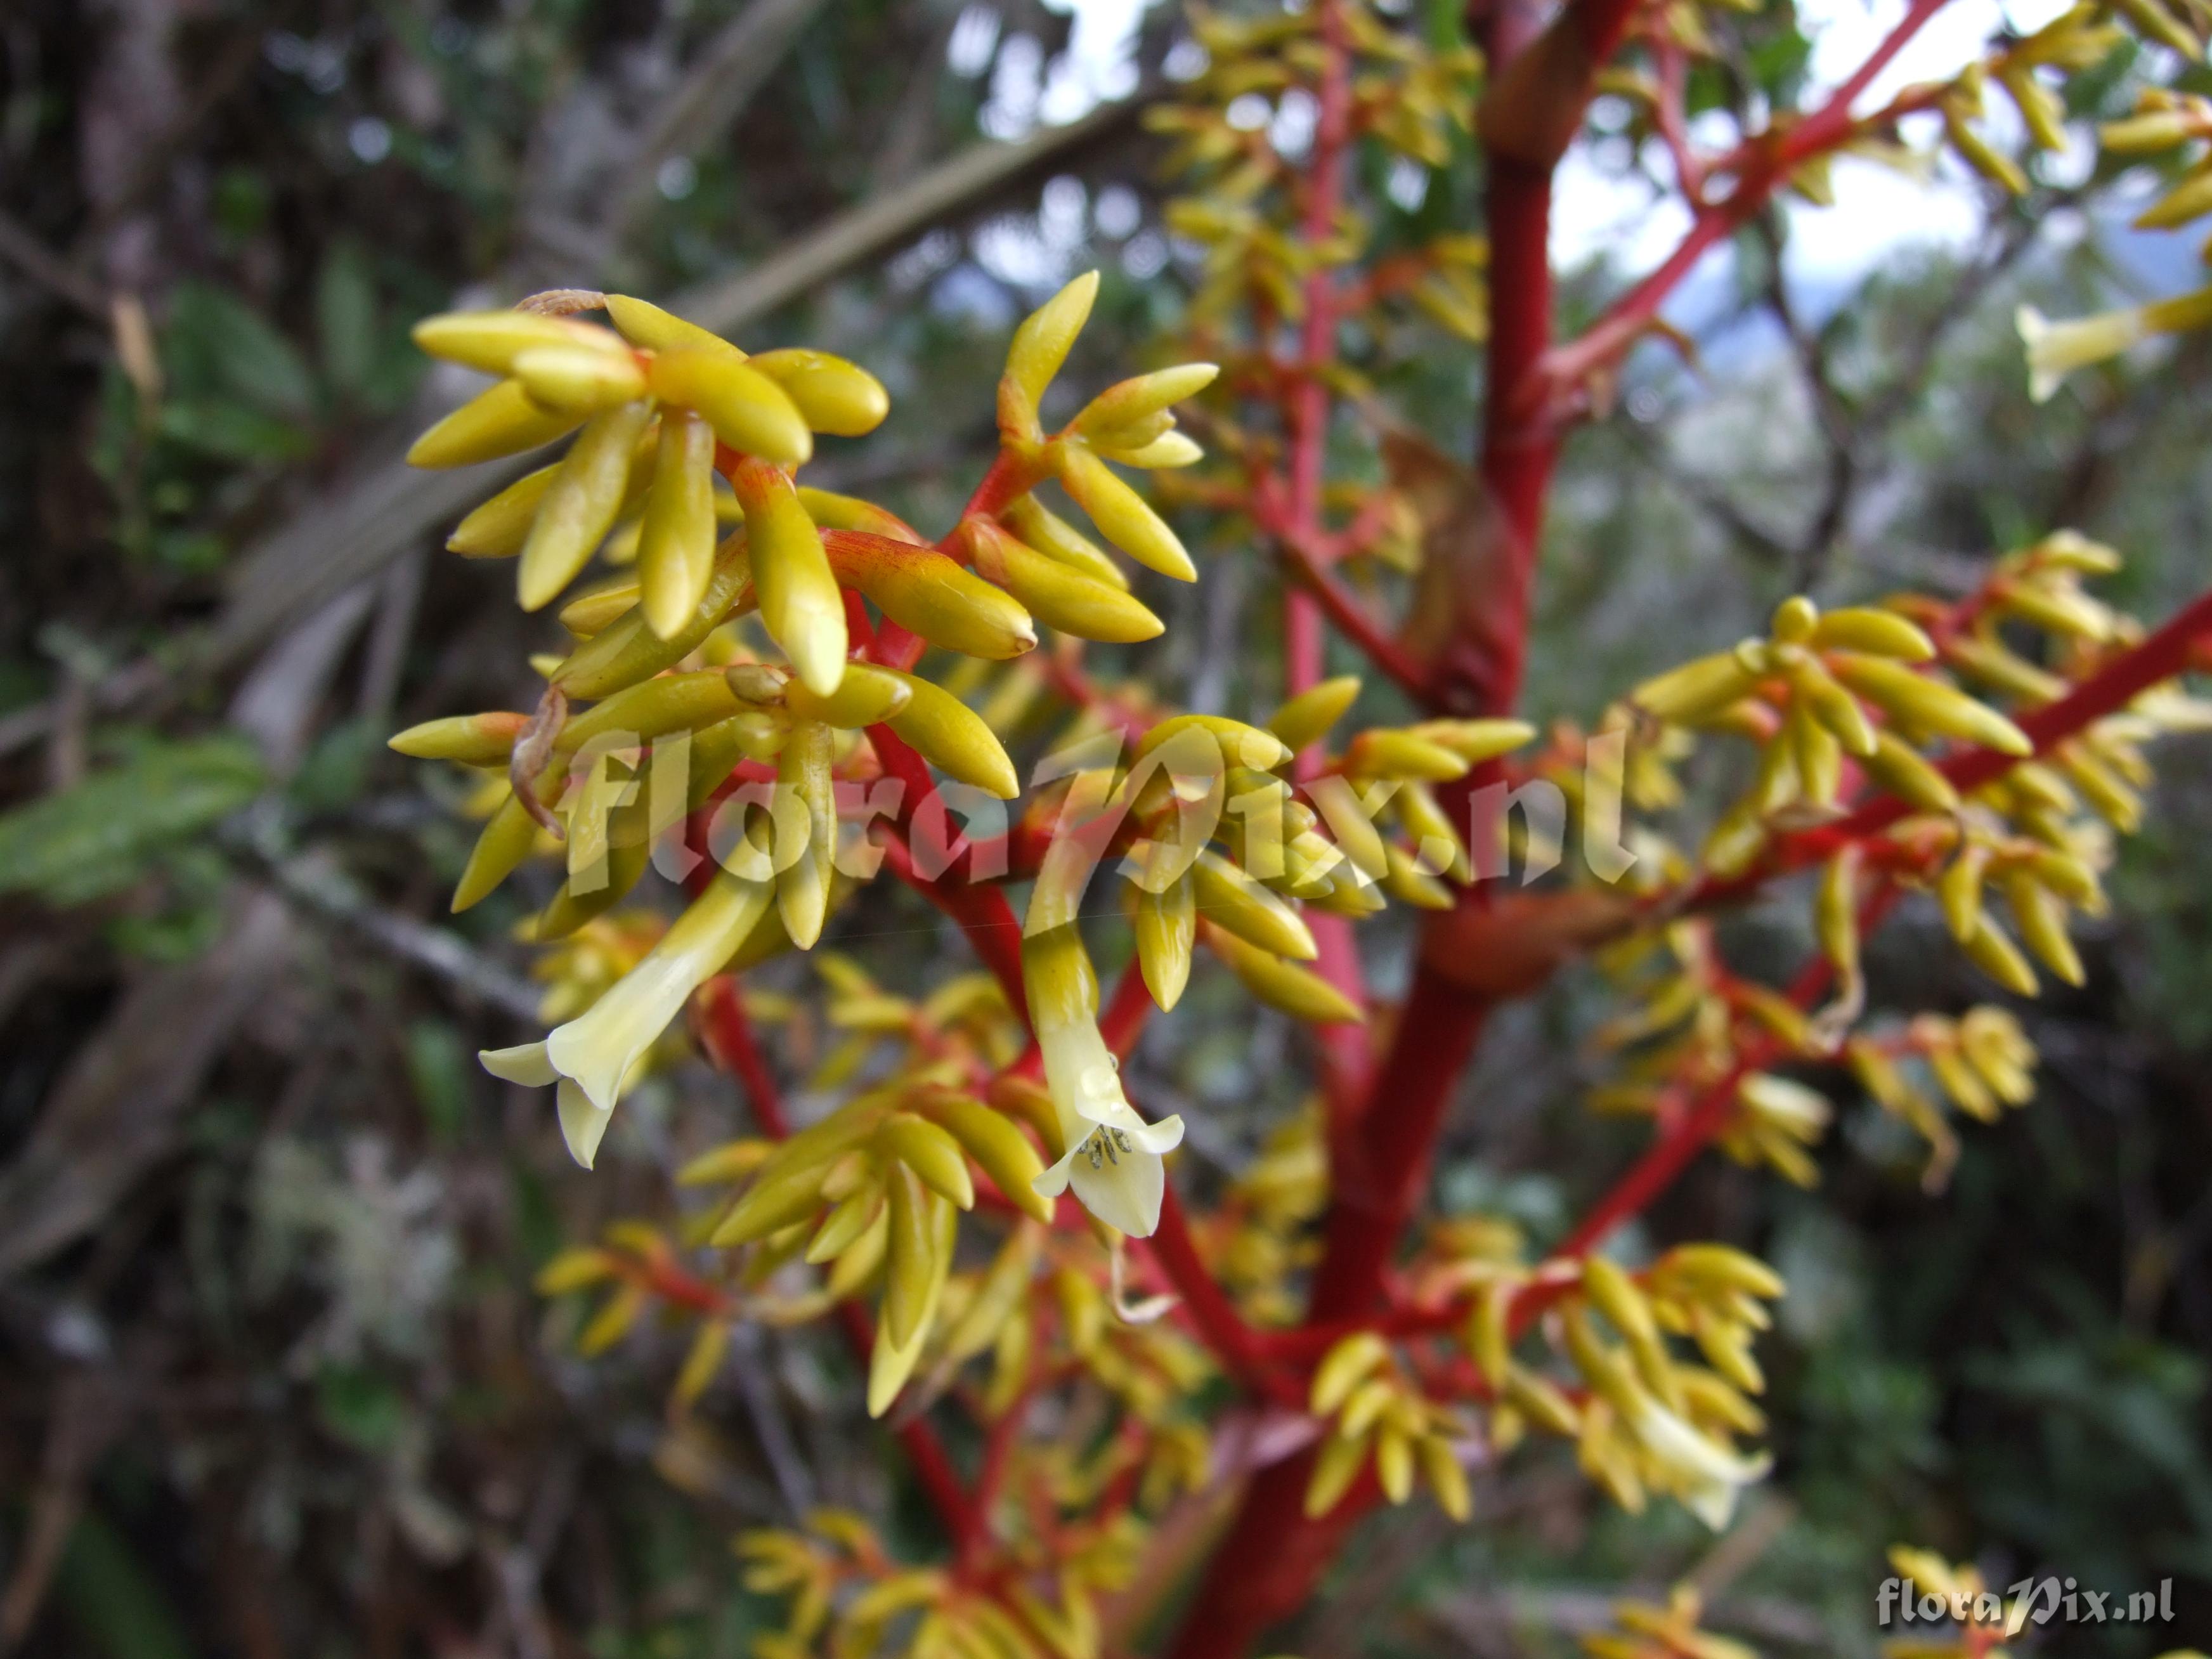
{"type": "Point", "coordinates": [272, 1380]}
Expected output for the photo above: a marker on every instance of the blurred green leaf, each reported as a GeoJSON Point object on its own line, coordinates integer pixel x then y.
{"type": "Point", "coordinates": [336, 769]}
{"type": "Point", "coordinates": [99, 837]}
{"type": "Point", "coordinates": [113, 1599]}
{"type": "Point", "coordinates": [443, 1070]}
{"type": "Point", "coordinates": [345, 317]}
{"type": "Point", "coordinates": [231, 432]}
{"type": "Point", "coordinates": [215, 342]}
{"type": "Point", "coordinates": [359, 1407]}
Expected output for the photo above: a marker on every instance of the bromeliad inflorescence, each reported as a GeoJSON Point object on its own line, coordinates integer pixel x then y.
{"type": "Point", "coordinates": [775, 694]}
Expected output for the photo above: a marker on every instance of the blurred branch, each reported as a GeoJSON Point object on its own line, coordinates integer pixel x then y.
{"type": "Point", "coordinates": [716, 87]}
{"type": "Point", "coordinates": [24, 250]}
{"type": "Point", "coordinates": [313, 881]}
{"type": "Point", "coordinates": [118, 1107]}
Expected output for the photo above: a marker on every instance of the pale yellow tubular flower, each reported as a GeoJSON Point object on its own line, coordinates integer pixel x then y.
{"type": "Point", "coordinates": [583, 1124]}
{"type": "Point", "coordinates": [2056, 349]}
{"type": "Point", "coordinates": [597, 1048]}
{"type": "Point", "coordinates": [1113, 1157]}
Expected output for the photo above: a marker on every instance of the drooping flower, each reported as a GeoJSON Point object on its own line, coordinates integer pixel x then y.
{"type": "Point", "coordinates": [2056, 349]}
{"type": "Point", "coordinates": [1703, 1473]}
{"type": "Point", "coordinates": [595, 1055]}
{"type": "Point", "coordinates": [1113, 1156]}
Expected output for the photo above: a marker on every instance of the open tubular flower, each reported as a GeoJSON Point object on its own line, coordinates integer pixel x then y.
{"type": "Point", "coordinates": [1113, 1156]}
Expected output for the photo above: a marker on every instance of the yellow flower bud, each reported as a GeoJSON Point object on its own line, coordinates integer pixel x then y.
{"type": "Point", "coordinates": [1899, 769]}
{"type": "Point", "coordinates": [497, 529]}
{"type": "Point", "coordinates": [802, 886]}
{"type": "Point", "coordinates": [1928, 703]}
{"type": "Point", "coordinates": [1056, 594]}
{"type": "Point", "coordinates": [581, 505]}
{"type": "Point", "coordinates": [1166, 927]}
{"type": "Point", "coordinates": [574, 1270]}
{"type": "Point", "coordinates": [1991, 949]}
{"type": "Point", "coordinates": [1298, 992]}
{"type": "Point", "coordinates": [1241, 745]}
{"type": "Point", "coordinates": [668, 702]}
{"type": "Point", "coordinates": [1882, 633]}
{"type": "Point", "coordinates": [866, 697]}
{"type": "Point", "coordinates": [504, 842]}
{"type": "Point", "coordinates": [1040, 527]}
{"type": "Point", "coordinates": [627, 651]}
{"type": "Point", "coordinates": [800, 602]}
{"type": "Point", "coordinates": [953, 737]}
{"type": "Point", "coordinates": [749, 412]}
{"type": "Point", "coordinates": [498, 422]}
{"type": "Point", "coordinates": [930, 595]}
{"type": "Point", "coordinates": [834, 512]}
{"type": "Point", "coordinates": [1041, 344]}
{"type": "Point", "coordinates": [1476, 741]}
{"type": "Point", "coordinates": [472, 739]}
{"type": "Point", "coordinates": [834, 396]}
{"type": "Point", "coordinates": [1384, 754]}
{"type": "Point", "coordinates": [931, 1153]}
{"type": "Point", "coordinates": [1394, 1462]}
{"type": "Point", "coordinates": [577, 380]}
{"type": "Point", "coordinates": [893, 1362]}
{"type": "Point", "coordinates": [644, 324]}
{"type": "Point", "coordinates": [1120, 512]}
{"type": "Point", "coordinates": [1229, 898]}
{"type": "Point", "coordinates": [2041, 918]}
{"type": "Point", "coordinates": [1002, 1150]}
{"type": "Point", "coordinates": [675, 542]}
{"type": "Point", "coordinates": [1128, 401]}
{"type": "Point", "coordinates": [1306, 717]}
{"type": "Point", "coordinates": [1695, 690]}
{"type": "Point", "coordinates": [493, 340]}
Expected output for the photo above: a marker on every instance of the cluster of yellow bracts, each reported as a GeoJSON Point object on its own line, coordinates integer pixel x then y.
{"type": "Point", "coordinates": [1644, 1419]}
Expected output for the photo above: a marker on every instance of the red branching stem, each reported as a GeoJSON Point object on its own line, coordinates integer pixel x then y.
{"type": "Point", "coordinates": [1122, 1020]}
{"type": "Point", "coordinates": [1308, 403]}
{"type": "Point", "coordinates": [1210, 1312]}
{"type": "Point", "coordinates": [1665, 1159]}
{"type": "Point", "coordinates": [1379, 1164]}
{"type": "Point", "coordinates": [1379, 1150]}
{"type": "Point", "coordinates": [728, 1037]}
{"type": "Point", "coordinates": [2160, 657]}
{"type": "Point", "coordinates": [982, 913]}
{"type": "Point", "coordinates": [1761, 165]}
{"type": "Point", "coordinates": [932, 1464]}
{"type": "Point", "coordinates": [991, 1473]}
{"type": "Point", "coordinates": [1324, 588]}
